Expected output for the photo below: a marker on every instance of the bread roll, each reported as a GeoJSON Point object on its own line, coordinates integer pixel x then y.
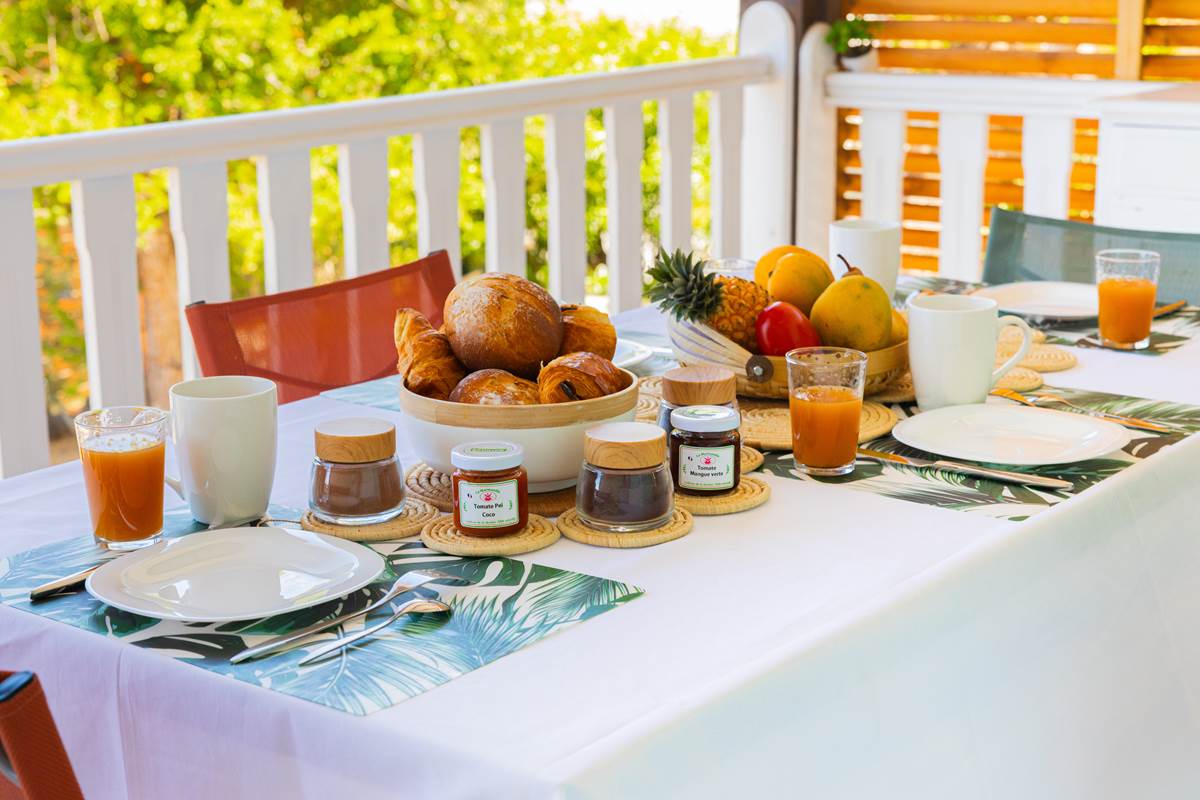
{"type": "Point", "coordinates": [426, 361]}
{"type": "Point", "coordinates": [504, 322]}
{"type": "Point", "coordinates": [495, 387]}
{"type": "Point", "coordinates": [586, 329]}
{"type": "Point", "coordinates": [580, 376]}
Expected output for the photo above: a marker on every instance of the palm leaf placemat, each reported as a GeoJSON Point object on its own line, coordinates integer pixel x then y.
{"type": "Point", "coordinates": [991, 498]}
{"type": "Point", "coordinates": [379, 393]}
{"type": "Point", "coordinates": [500, 606]}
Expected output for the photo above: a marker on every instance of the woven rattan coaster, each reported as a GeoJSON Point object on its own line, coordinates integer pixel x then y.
{"type": "Point", "coordinates": [1020, 379]}
{"type": "Point", "coordinates": [1011, 337]}
{"type": "Point", "coordinates": [771, 428]}
{"type": "Point", "coordinates": [551, 504]}
{"type": "Point", "coordinates": [442, 536]}
{"type": "Point", "coordinates": [898, 391]}
{"type": "Point", "coordinates": [646, 409]}
{"type": "Point", "coordinates": [414, 516]}
{"type": "Point", "coordinates": [1041, 357]}
{"type": "Point", "coordinates": [650, 385]}
{"type": "Point", "coordinates": [750, 493]}
{"type": "Point", "coordinates": [751, 459]}
{"type": "Point", "coordinates": [434, 488]}
{"type": "Point", "coordinates": [573, 528]}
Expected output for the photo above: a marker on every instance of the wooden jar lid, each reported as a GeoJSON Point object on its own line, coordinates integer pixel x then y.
{"type": "Point", "coordinates": [356, 440]}
{"type": "Point", "coordinates": [625, 445]}
{"type": "Point", "coordinates": [699, 386]}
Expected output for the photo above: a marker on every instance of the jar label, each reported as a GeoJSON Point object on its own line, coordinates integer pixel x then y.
{"type": "Point", "coordinates": [488, 505]}
{"type": "Point", "coordinates": [706, 467]}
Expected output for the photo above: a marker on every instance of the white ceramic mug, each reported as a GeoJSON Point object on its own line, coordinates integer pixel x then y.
{"type": "Point", "coordinates": [873, 247]}
{"type": "Point", "coordinates": [224, 429]}
{"type": "Point", "coordinates": [952, 348]}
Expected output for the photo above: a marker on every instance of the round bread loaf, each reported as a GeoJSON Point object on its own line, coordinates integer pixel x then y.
{"type": "Point", "coordinates": [504, 322]}
{"type": "Point", "coordinates": [495, 387]}
{"type": "Point", "coordinates": [586, 329]}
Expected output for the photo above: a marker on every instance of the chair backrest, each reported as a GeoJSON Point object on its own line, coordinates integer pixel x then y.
{"type": "Point", "coordinates": [323, 337]}
{"type": "Point", "coordinates": [1022, 247]}
{"type": "Point", "coordinates": [33, 761]}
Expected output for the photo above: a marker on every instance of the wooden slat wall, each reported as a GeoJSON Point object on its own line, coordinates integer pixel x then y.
{"type": "Point", "coordinates": [1030, 37]}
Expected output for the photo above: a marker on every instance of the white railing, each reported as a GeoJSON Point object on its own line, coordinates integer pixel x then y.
{"type": "Point", "coordinates": [1049, 107]}
{"type": "Point", "coordinates": [753, 92]}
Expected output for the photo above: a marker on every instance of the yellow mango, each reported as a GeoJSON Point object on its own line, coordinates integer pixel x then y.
{"type": "Point", "coordinates": [853, 312]}
{"type": "Point", "coordinates": [799, 278]}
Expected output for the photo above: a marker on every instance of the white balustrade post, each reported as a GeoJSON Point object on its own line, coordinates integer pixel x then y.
{"type": "Point", "coordinates": [24, 438]}
{"type": "Point", "coordinates": [105, 224]}
{"type": "Point", "coordinates": [624, 138]}
{"type": "Point", "coordinates": [199, 213]}
{"type": "Point", "coordinates": [503, 146]}
{"type": "Point", "coordinates": [882, 135]}
{"type": "Point", "coordinates": [816, 143]}
{"type": "Point", "coordinates": [1047, 153]}
{"type": "Point", "coordinates": [725, 143]}
{"type": "Point", "coordinates": [285, 205]}
{"type": "Point", "coordinates": [675, 133]}
{"type": "Point", "coordinates": [364, 190]}
{"type": "Point", "coordinates": [962, 156]}
{"type": "Point", "coordinates": [567, 199]}
{"type": "Point", "coordinates": [436, 174]}
{"type": "Point", "coordinates": [768, 149]}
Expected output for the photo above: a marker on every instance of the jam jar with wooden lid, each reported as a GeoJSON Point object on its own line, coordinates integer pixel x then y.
{"type": "Point", "coordinates": [491, 488]}
{"type": "Point", "coordinates": [696, 386]}
{"type": "Point", "coordinates": [624, 483]}
{"type": "Point", "coordinates": [356, 478]}
{"type": "Point", "coordinates": [706, 450]}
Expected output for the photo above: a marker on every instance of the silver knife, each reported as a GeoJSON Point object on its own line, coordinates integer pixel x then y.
{"type": "Point", "coordinates": [966, 469]}
{"type": "Point", "coordinates": [405, 583]}
{"type": "Point", "coordinates": [68, 583]}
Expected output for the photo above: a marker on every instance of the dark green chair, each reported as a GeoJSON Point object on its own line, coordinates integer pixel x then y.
{"type": "Point", "coordinates": [1022, 247]}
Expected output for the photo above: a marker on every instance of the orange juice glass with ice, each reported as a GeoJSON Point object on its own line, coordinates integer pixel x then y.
{"type": "Point", "coordinates": [122, 452]}
{"type": "Point", "coordinates": [1127, 283]}
{"type": "Point", "coordinates": [825, 390]}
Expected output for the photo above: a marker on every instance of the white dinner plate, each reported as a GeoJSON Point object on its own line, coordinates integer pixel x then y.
{"type": "Point", "coordinates": [1045, 299]}
{"type": "Point", "coordinates": [1015, 435]}
{"type": "Point", "coordinates": [629, 354]}
{"type": "Point", "coordinates": [234, 574]}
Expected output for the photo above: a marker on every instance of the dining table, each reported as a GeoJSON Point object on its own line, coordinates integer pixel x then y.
{"type": "Point", "coordinates": [830, 644]}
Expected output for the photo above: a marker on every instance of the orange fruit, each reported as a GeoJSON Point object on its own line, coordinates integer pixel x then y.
{"type": "Point", "coordinates": [799, 278]}
{"type": "Point", "coordinates": [766, 264]}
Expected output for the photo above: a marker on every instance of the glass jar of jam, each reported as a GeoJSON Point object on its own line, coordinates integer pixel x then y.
{"type": "Point", "coordinates": [356, 478]}
{"type": "Point", "coordinates": [624, 483]}
{"type": "Point", "coordinates": [695, 386]}
{"type": "Point", "coordinates": [491, 489]}
{"type": "Point", "coordinates": [706, 450]}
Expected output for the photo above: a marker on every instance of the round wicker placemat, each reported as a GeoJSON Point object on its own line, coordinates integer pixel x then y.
{"type": "Point", "coordinates": [1011, 336]}
{"type": "Point", "coordinates": [415, 515]}
{"type": "Point", "coordinates": [1041, 357]}
{"type": "Point", "coordinates": [646, 409]}
{"type": "Point", "coordinates": [898, 391]}
{"type": "Point", "coordinates": [750, 493]}
{"type": "Point", "coordinates": [751, 459]}
{"type": "Point", "coordinates": [434, 487]}
{"type": "Point", "coordinates": [573, 528]}
{"type": "Point", "coordinates": [442, 536]}
{"type": "Point", "coordinates": [1020, 379]}
{"type": "Point", "coordinates": [650, 385]}
{"type": "Point", "coordinates": [771, 428]}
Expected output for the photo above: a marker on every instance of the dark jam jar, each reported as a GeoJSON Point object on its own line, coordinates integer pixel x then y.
{"type": "Point", "coordinates": [706, 450]}
{"type": "Point", "coordinates": [491, 489]}
{"type": "Point", "coordinates": [624, 484]}
{"type": "Point", "coordinates": [356, 478]}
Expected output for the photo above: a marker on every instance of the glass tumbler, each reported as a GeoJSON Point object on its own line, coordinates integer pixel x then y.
{"type": "Point", "coordinates": [1127, 282]}
{"type": "Point", "coordinates": [122, 450]}
{"type": "Point", "coordinates": [825, 391]}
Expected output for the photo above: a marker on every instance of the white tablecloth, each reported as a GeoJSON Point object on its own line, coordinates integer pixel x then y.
{"type": "Point", "coordinates": [830, 644]}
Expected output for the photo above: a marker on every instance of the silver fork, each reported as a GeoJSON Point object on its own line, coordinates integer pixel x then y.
{"type": "Point", "coordinates": [1041, 399]}
{"type": "Point", "coordinates": [418, 606]}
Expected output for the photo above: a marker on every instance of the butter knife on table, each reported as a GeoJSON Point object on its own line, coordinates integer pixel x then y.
{"type": "Point", "coordinates": [68, 583]}
{"type": "Point", "coordinates": [966, 469]}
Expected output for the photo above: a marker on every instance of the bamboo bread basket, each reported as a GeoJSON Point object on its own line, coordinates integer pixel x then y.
{"type": "Point", "coordinates": [766, 376]}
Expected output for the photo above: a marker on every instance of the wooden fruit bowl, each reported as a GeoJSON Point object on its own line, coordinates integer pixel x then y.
{"type": "Point", "coordinates": [766, 376]}
{"type": "Point", "coordinates": [551, 434]}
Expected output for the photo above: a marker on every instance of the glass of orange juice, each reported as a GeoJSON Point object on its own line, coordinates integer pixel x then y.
{"type": "Point", "coordinates": [825, 390]}
{"type": "Point", "coordinates": [1127, 281]}
{"type": "Point", "coordinates": [122, 450]}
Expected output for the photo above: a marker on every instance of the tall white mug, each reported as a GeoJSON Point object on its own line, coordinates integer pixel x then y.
{"type": "Point", "coordinates": [873, 247]}
{"type": "Point", "coordinates": [224, 429]}
{"type": "Point", "coordinates": [952, 348]}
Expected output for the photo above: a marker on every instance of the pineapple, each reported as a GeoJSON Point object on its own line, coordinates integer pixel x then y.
{"type": "Point", "coordinates": [727, 304]}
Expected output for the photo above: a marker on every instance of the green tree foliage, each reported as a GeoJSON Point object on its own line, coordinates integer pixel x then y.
{"type": "Point", "coordinates": [82, 65]}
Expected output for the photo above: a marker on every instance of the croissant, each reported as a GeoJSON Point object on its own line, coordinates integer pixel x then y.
{"type": "Point", "coordinates": [586, 329]}
{"type": "Point", "coordinates": [580, 376]}
{"type": "Point", "coordinates": [426, 361]}
{"type": "Point", "coordinates": [495, 387]}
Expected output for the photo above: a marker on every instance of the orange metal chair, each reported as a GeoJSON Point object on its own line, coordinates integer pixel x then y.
{"type": "Point", "coordinates": [311, 340]}
{"type": "Point", "coordinates": [33, 762]}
